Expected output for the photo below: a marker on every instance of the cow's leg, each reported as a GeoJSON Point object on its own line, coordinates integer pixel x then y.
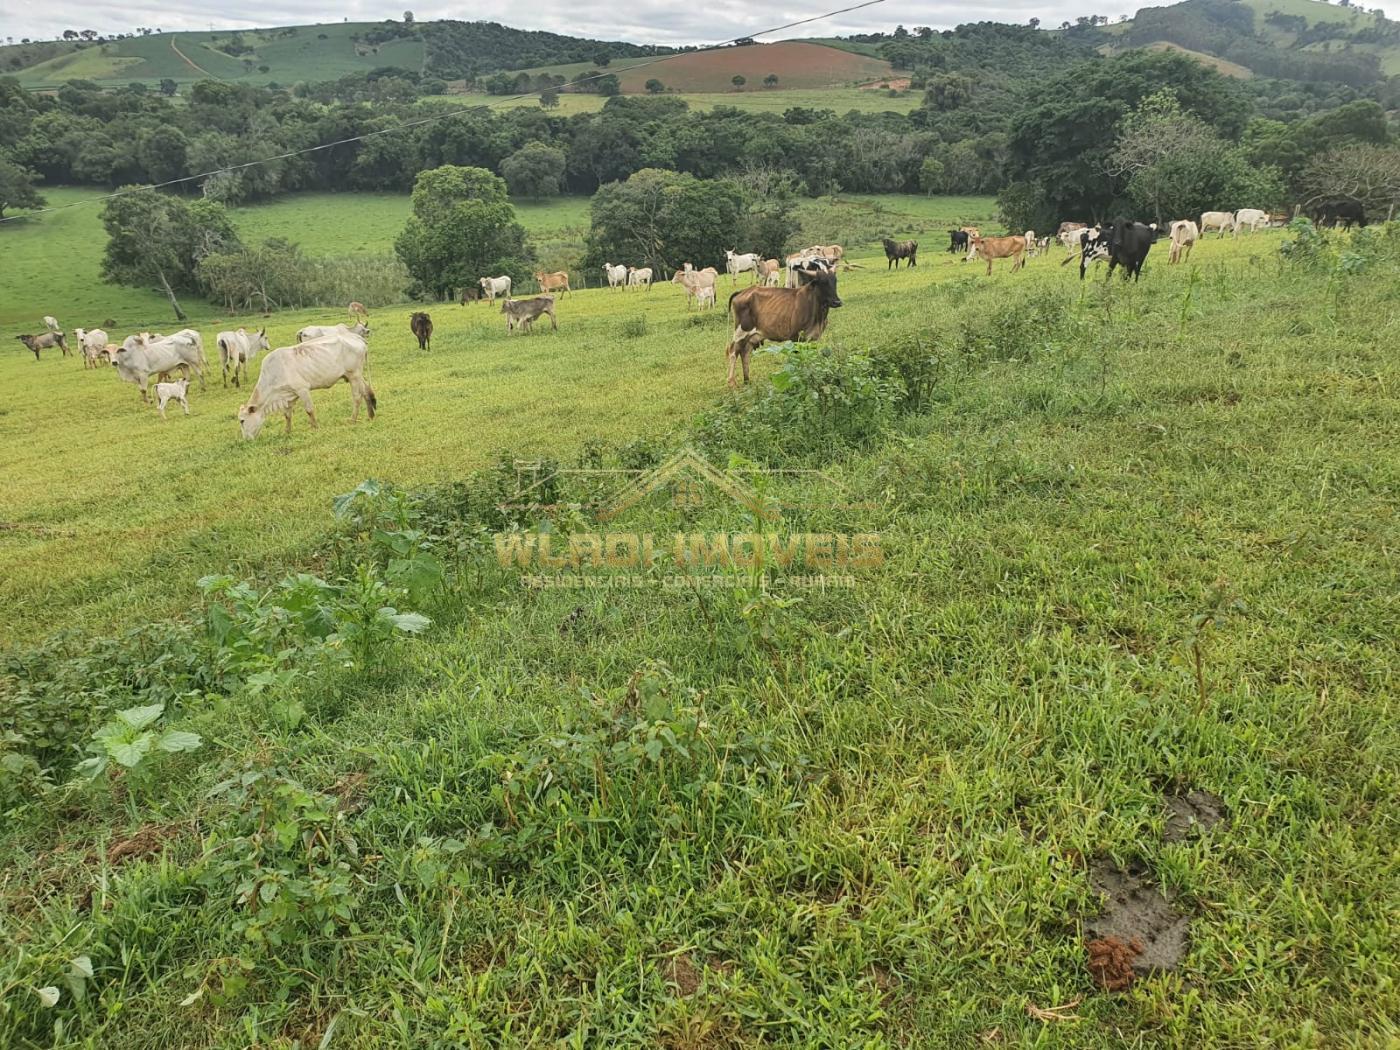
{"type": "Point", "coordinates": [305, 397]}
{"type": "Point", "coordinates": [555, 324]}
{"type": "Point", "coordinates": [161, 407]}
{"type": "Point", "coordinates": [744, 355]}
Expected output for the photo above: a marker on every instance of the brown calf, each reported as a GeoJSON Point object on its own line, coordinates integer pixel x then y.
{"type": "Point", "coordinates": [553, 282]}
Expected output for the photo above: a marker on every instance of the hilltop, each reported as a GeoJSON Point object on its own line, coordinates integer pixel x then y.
{"type": "Point", "coordinates": [1302, 40]}
{"type": "Point", "coordinates": [287, 54]}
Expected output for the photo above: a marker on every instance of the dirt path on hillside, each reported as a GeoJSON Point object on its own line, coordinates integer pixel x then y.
{"type": "Point", "coordinates": [190, 62]}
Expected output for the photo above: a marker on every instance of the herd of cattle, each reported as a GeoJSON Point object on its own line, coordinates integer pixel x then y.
{"type": "Point", "coordinates": [769, 309]}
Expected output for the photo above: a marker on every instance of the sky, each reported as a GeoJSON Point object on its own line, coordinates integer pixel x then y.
{"type": "Point", "coordinates": [639, 21]}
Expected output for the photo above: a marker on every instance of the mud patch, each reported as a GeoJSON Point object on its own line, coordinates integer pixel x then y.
{"type": "Point", "coordinates": [1191, 814]}
{"type": "Point", "coordinates": [1138, 932]}
{"type": "Point", "coordinates": [681, 971]}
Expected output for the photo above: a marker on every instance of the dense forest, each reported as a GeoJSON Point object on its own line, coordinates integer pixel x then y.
{"type": "Point", "coordinates": [1039, 118]}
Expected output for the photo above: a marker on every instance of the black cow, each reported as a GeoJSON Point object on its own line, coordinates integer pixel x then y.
{"type": "Point", "coordinates": [896, 250]}
{"type": "Point", "coordinates": [1125, 243]}
{"type": "Point", "coordinates": [959, 241]}
{"type": "Point", "coordinates": [1338, 211]}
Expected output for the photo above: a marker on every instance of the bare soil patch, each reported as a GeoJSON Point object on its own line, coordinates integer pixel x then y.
{"type": "Point", "coordinates": [1191, 814]}
{"type": "Point", "coordinates": [1139, 931]}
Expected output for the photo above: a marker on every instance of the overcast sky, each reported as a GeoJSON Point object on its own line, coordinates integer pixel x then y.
{"type": "Point", "coordinates": [640, 21]}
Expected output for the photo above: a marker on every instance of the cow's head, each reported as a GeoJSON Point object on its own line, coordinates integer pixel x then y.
{"type": "Point", "coordinates": [263, 344]}
{"type": "Point", "coordinates": [824, 281]}
{"type": "Point", "coordinates": [251, 418]}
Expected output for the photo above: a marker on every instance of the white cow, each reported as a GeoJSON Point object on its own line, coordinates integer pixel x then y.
{"type": "Point", "coordinates": [695, 281]}
{"type": "Point", "coordinates": [494, 286]}
{"type": "Point", "coordinates": [176, 391]}
{"type": "Point", "coordinates": [141, 357]}
{"type": "Point", "coordinates": [1184, 234]}
{"type": "Point", "coordinates": [800, 261]}
{"type": "Point", "coordinates": [1031, 243]}
{"type": "Point", "coordinates": [639, 277]}
{"type": "Point", "coordinates": [290, 373]}
{"type": "Point", "coordinates": [320, 331]}
{"type": "Point", "coordinates": [92, 343]}
{"type": "Point", "coordinates": [1068, 234]}
{"type": "Point", "coordinates": [238, 348]}
{"type": "Point", "coordinates": [734, 264]}
{"type": "Point", "coordinates": [1252, 218]}
{"type": "Point", "coordinates": [1217, 220]}
{"type": "Point", "coordinates": [617, 275]}
{"type": "Point", "coordinates": [51, 324]}
{"type": "Point", "coordinates": [705, 297]}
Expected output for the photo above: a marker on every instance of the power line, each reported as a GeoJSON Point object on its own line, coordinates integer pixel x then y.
{"type": "Point", "coordinates": [504, 100]}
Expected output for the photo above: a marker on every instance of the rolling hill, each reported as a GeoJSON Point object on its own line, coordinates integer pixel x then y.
{"type": "Point", "coordinates": [288, 54]}
{"type": "Point", "coordinates": [1289, 39]}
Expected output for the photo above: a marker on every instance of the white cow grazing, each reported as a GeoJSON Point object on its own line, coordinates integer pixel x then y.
{"type": "Point", "coordinates": [238, 349]}
{"type": "Point", "coordinates": [1252, 218]}
{"type": "Point", "coordinates": [51, 324]}
{"type": "Point", "coordinates": [167, 392]}
{"type": "Point", "coordinates": [639, 277]}
{"type": "Point", "coordinates": [141, 357]}
{"type": "Point", "coordinates": [617, 275]}
{"type": "Point", "coordinates": [92, 343]}
{"type": "Point", "coordinates": [1217, 220]}
{"type": "Point", "coordinates": [734, 264]}
{"type": "Point", "coordinates": [1184, 235]}
{"type": "Point", "coordinates": [494, 286]}
{"type": "Point", "coordinates": [290, 373]}
{"type": "Point", "coordinates": [319, 331]}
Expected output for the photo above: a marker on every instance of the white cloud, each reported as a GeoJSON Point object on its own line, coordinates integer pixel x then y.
{"type": "Point", "coordinates": [640, 21]}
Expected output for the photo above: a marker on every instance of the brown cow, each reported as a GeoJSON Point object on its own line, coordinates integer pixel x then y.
{"type": "Point", "coordinates": [47, 341]}
{"type": "Point", "coordinates": [554, 282]}
{"type": "Point", "coordinates": [471, 295]}
{"type": "Point", "coordinates": [780, 314]}
{"type": "Point", "coordinates": [422, 326]}
{"type": "Point", "coordinates": [989, 248]}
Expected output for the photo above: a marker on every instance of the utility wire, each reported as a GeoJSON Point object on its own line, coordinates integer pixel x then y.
{"type": "Point", "coordinates": [504, 100]}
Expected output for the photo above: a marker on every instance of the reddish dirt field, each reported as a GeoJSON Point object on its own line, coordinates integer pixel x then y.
{"type": "Point", "coordinates": [797, 65]}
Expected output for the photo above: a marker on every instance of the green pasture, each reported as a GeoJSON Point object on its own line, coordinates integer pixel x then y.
{"type": "Point", "coordinates": [1140, 542]}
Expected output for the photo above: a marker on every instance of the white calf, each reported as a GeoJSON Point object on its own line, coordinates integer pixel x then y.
{"type": "Point", "coordinates": [173, 392]}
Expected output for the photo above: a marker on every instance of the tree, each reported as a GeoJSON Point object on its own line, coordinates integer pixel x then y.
{"type": "Point", "coordinates": [408, 18]}
{"type": "Point", "coordinates": [153, 237]}
{"type": "Point", "coordinates": [1361, 172]}
{"type": "Point", "coordinates": [662, 219]}
{"type": "Point", "coordinates": [655, 87]}
{"type": "Point", "coordinates": [608, 86]}
{"type": "Point", "coordinates": [167, 87]}
{"type": "Point", "coordinates": [535, 170]}
{"type": "Point", "coordinates": [462, 229]}
{"type": "Point", "coordinates": [738, 81]}
{"type": "Point", "coordinates": [17, 187]}
{"type": "Point", "coordinates": [931, 175]}
{"type": "Point", "coordinates": [771, 80]}
{"type": "Point", "coordinates": [602, 58]}
{"type": "Point", "coordinates": [549, 99]}
{"type": "Point", "coordinates": [70, 34]}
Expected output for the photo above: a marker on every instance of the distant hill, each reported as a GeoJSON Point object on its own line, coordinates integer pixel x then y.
{"type": "Point", "coordinates": [798, 65]}
{"type": "Point", "coordinates": [447, 49]}
{"type": "Point", "coordinates": [1288, 39]}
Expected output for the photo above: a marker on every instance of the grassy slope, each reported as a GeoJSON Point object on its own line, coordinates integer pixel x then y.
{"type": "Point", "coordinates": [303, 56]}
{"type": "Point", "coordinates": [80, 535]}
{"type": "Point", "coordinates": [1009, 696]}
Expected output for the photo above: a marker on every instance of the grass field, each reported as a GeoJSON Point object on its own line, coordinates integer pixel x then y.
{"type": "Point", "coordinates": [1140, 542]}
{"type": "Point", "coordinates": [884, 823]}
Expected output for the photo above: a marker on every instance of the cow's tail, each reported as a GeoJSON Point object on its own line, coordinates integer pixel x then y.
{"type": "Point", "coordinates": [371, 402]}
{"type": "Point", "coordinates": [734, 296]}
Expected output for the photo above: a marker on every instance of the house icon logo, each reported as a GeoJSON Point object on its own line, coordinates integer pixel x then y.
{"type": "Point", "coordinates": [686, 475]}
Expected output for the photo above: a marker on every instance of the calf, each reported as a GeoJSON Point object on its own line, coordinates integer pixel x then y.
{"type": "Point", "coordinates": [768, 271]}
{"type": "Point", "coordinates": [422, 326]}
{"type": "Point", "coordinates": [51, 323]}
{"type": "Point", "coordinates": [638, 277]}
{"type": "Point", "coordinates": [1251, 218]}
{"type": "Point", "coordinates": [957, 241]}
{"type": "Point", "coordinates": [524, 312]}
{"type": "Point", "coordinates": [91, 341]}
{"type": "Point", "coordinates": [358, 312]}
{"type": "Point", "coordinates": [896, 250]}
{"type": "Point", "coordinates": [471, 295]}
{"type": "Point", "coordinates": [696, 281]}
{"type": "Point", "coordinates": [175, 391]}
{"type": "Point", "coordinates": [780, 314]}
